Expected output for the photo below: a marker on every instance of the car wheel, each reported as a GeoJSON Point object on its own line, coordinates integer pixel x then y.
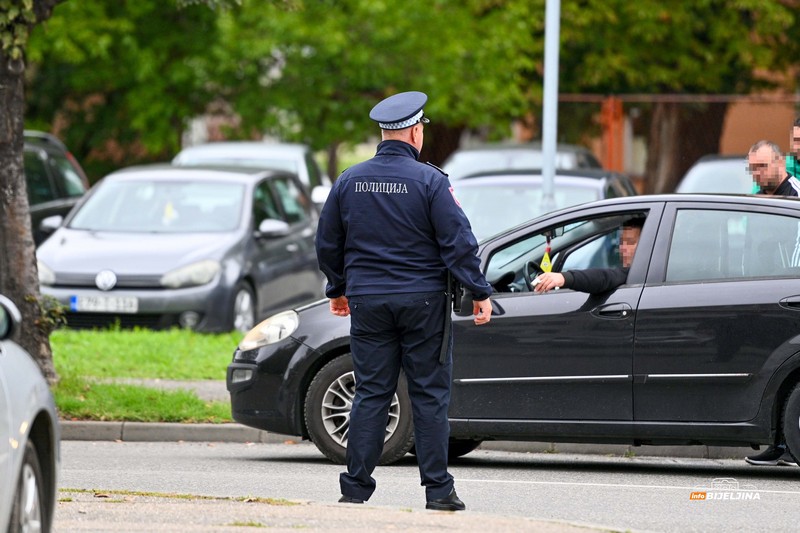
{"type": "Point", "coordinates": [460, 447]}
{"type": "Point", "coordinates": [27, 513]}
{"type": "Point", "coordinates": [327, 413]}
{"type": "Point", "coordinates": [244, 308]}
{"type": "Point", "coordinates": [791, 423]}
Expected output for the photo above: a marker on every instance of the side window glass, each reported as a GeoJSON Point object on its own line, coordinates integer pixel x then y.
{"type": "Point", "coordinates": [264, 204]}
{"type": "Point", "coordinates": [70, 181]}
{"type": "Point", "coordinates": [40, 188]}
{"type": "Point", "coordinates": [723, 245]}
{"type": "Point", "coordinates": [294, 201]}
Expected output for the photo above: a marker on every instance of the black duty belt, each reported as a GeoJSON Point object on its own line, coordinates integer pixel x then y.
{"type": "Point", "coordinates": [452, 304]}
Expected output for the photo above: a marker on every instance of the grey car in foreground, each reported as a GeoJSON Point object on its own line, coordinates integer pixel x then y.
{"type": "Point", "coordinates": [29, 435]}
{"type": "Point", "coordinates": [212, 249]}
{"type": "Point", "coordinates": [701, 345]}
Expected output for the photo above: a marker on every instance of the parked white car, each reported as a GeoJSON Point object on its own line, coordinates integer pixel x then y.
{"type": "Point", "coordinates": [289, 157]}
{"type": "Point", "coordinates": [29, 435]}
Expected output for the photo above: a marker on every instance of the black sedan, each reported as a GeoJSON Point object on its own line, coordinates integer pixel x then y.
{"type": "Point", "coordinates": [212, 249]}
{"type": "Point", "coordinates": [700, 346]}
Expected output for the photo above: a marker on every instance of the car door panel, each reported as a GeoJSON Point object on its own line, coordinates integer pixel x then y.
{"type": "Point", "coordinates": [710, 334]}
{"type": "Point", "coordinates": [571, 363]}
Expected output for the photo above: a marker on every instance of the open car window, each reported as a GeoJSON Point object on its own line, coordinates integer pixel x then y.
{"type": "Point", "coordinates": [578, 244]}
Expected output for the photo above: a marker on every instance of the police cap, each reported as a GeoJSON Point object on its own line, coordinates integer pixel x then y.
{"type": "Point", "coordinates": [399, 111]}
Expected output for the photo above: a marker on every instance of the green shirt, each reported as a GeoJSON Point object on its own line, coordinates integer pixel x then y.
{"type": "Point", "coordinates": [793, 166]}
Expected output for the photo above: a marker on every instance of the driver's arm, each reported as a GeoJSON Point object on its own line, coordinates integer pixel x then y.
{"type": "Point", "coordinates": [591, 280]}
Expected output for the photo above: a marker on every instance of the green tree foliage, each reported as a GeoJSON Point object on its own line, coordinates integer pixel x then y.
{"type": "Point", "coordinates": [310, 73]}
{"type": "Point", "coordinates": [119, 80]}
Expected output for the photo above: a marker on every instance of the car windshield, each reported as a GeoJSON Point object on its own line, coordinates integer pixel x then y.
{"type": "Point", "coordinates": [493, 209]}
{"type": "Point", "coordinates": [287, 165]}
{"type": "Point", "coordinates": [162, 206]}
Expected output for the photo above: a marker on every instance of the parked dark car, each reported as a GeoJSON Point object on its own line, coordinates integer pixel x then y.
{"type": "Point", "coordinates": [494, 202]}
{"type": "Point", "coordinates": [698, 347]}
{"type": "Point", "coordinates": [29, 435]}
{"type": "Point", "coordinates": [55, 179]}
{"type": "Point", "coordinates": [210, 249]}
{"type": "Point", "coordinates": [500, 157]}
{"type": "Point", "coordinates": [726, 174]}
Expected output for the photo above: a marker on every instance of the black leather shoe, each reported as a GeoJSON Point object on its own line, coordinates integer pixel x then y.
{"type": "Point", "coordinates": [350, 499]}
{"type": "Point", "coordinates": [450, 503]}
{"type": "Point", "coordinates": [770, 457]}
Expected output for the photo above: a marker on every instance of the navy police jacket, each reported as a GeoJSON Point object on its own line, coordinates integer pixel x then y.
{"type": "Point", "coordinates": [392, 225]}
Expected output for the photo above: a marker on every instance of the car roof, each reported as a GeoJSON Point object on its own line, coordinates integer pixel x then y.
{"type": "Point", "coordinates": [791, 202]}
{"type": "Point", "coordinates": [593, 173]}
{"type": "Point", "coordinates": [44, 140]}
{"type": "Point", "coordinates": [502, 180]}
{"type": "Point", "coordinates": [243, 149]}
{"type": "Point", "coordinates": [201, 173]}
{"type": "Point", "coordinates": [721, 158]}
{"type": "Point", "coordinates": [510, 146]}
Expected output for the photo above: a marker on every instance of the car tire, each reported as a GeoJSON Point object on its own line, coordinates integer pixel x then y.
{"type": "Point", "coordinates": [461, 447]}
{"type": "Point", "coordinates": [791, 423]}
{"type": "Point", "coordinates": [27, 511]}
{"type": "Point", "coordinates": [327, 413]}
{"type": "Point", "coordinates": [243, 311]}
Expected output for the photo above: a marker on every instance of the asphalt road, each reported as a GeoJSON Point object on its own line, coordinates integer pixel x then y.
{"type": "Point", "coordinates": [144, 487]}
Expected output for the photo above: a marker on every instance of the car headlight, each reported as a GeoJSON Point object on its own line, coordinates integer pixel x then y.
{"type": "Point", "coordinates": [46, 274]}
{"type": "Point", "coordinates": [273, 329]}
{"type": "Point", "coordinates": [198, 273]}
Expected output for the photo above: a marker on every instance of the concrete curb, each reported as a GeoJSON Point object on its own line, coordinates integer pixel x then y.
{"type": "Point", "coordinates": [232, 432]}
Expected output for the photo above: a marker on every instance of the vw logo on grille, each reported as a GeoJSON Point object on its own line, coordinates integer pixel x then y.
{"type": "Point", "coordinates": [105, 280]}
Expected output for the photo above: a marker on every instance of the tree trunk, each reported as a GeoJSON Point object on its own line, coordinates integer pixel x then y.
{"type": "Point", "coordinates": [440, 141]}
{"type": "Point", "coordinates": [679, 135]}
{"type": "Point", "coordinates": [333, 161]}
{"type": "Point", "coordinates": [19, 278]}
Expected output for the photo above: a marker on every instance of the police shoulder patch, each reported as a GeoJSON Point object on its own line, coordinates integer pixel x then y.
{"type": "Point", "coordinates": [437, 168]}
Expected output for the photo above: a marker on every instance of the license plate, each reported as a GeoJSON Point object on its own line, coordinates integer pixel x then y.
{"type": "Point", "coordinates": [104, 304]}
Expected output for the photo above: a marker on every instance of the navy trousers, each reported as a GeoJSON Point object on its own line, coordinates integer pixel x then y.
{"type": "Point", "coordinates": [390, 332]}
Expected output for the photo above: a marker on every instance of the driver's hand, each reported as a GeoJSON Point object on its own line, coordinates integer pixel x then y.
{"type": "Point", "coordinates": [547, 281]}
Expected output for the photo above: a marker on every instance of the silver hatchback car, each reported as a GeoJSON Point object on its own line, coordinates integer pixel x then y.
{"type": "Point", "coordinates": [29, 435]}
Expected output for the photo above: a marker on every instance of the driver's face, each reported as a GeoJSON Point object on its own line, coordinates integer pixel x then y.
{"type": "Point", "coordinates": [627, 245]}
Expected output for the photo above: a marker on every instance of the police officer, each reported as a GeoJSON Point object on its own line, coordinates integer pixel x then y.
{"type": "Point", "coordinates": [389, 231]}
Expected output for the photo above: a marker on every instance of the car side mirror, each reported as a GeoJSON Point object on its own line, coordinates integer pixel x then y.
{"type": "Point", "coordinates": [319, 194]}
{"type": "Point", "coordinates": [271, 228]}
{"type": "Point", "coordinates": [10, 318]}
{"type": "Point", "coordinates": [50, 224]}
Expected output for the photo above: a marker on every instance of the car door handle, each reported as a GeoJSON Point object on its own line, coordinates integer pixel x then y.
{"type": "Point", "coordinates": [292, 247]}
{"type": "Point", "coordinates": [613, 311]}
{"type": "Point", "coordinates": [791, 302]}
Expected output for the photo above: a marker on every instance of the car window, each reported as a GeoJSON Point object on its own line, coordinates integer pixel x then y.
{"type": "Point", "coordinates": [578, 244]}
{"type": "Point", "coordinates": [161, 207]}
{"type": "Point", "coordinates": [723, 245]}
{"type": "Point", "coordinates": [69, 179]}
{"type": "Point", "coordinates": [294, 201]}
{"type": "Point", "coordinates": [264, 204]}
{"type": "Point", "coordinates": [40, 187]}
